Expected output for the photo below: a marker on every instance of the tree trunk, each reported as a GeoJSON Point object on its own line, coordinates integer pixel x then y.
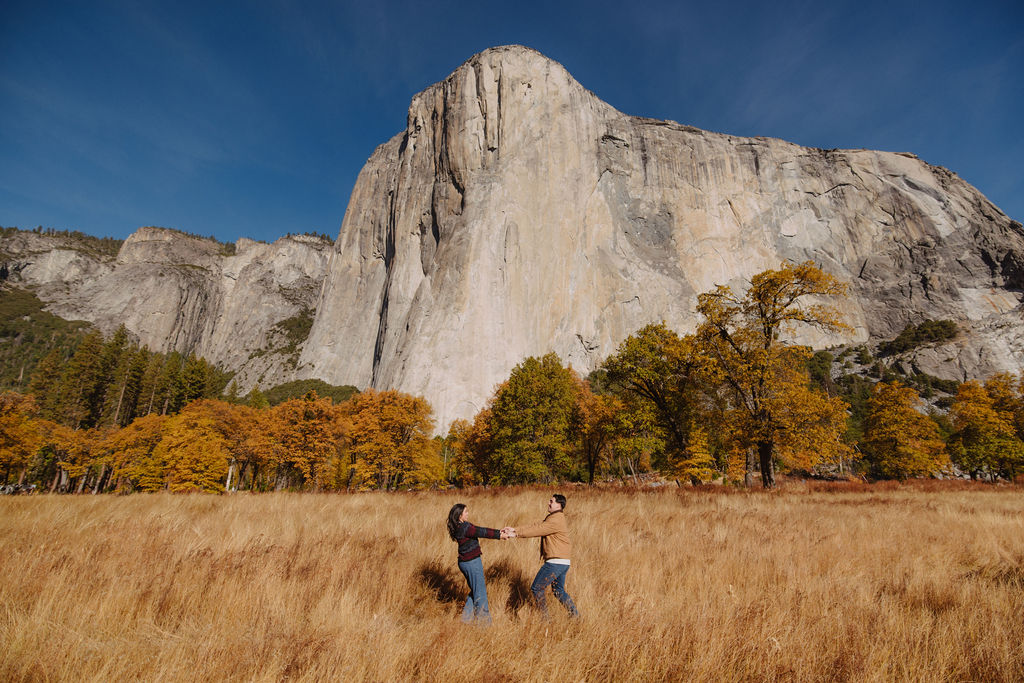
{"type": "Point", "coordinates": [748, 477]}
{"type": "Point", "coordinates": [765, 449]}
{"type": "Point", "coordinates": [120, 398]}
{"type": "Point", "coordinates": [99, 481]}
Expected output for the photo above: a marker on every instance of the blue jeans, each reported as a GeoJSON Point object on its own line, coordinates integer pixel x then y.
{"type": "Point", "coordinates": [552, 575]}
{"type": "Point", "coordinates": [476, 604]}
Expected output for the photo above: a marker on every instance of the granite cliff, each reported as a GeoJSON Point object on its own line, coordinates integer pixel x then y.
{"type": "Point", "coordinates": [519, 214]}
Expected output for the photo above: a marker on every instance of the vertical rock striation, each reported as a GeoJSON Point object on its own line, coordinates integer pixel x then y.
{"type": "Point", "coordinates": [519, 214]}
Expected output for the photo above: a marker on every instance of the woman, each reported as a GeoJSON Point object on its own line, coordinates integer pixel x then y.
{"type": "Point", "coordinates": [472, 567]}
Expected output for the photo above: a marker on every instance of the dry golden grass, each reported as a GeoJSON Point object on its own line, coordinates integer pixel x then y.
{"type": "Point", "coordinates": [804, 584]}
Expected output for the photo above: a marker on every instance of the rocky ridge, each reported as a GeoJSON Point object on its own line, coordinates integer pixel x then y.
{"type": "Point", "coordinates": [519, 214]}
{"type": "Point", "coordinates": [177, 292]}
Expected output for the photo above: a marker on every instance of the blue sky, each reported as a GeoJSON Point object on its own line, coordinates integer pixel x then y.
{"type": "Point", "coordinates": [252, 119]}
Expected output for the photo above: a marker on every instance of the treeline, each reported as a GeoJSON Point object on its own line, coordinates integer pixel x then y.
{"type": "Point", "coordinates": [648, 411]}
{"type": "Point", "coordinates": [733, 401]}
{"type": "Point", "coordinates": [101, 245]}
{"type": "Point", "coordinates": [378, 440]}
{"type": "Point", "coordinates": [109, 383]}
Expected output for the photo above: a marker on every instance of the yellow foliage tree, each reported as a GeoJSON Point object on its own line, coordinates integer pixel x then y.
{"type": "Point", "coordinates": [20, 437]}
{"type": "Point", "coordinates": [741, 338]}
{"type": "Point", "coordinates": [985, 443]}
{"type": "Point", "coordinates": [1007, 392]}
{"type": "Point", "coordinates": [390, 438]}
{"type": "Point", "coordinates": [695, 463]}
{"type": "Point", "coordinates": [901, 441]}
{"type": "Point", "coordinates": [82, 450]}
{"type": "Point", "coordinates": [811, 422]}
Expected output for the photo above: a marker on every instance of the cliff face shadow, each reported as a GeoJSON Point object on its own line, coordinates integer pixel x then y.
{"type": "Point", "coordinates": [519, 585]}
{"type": "Point", "coordinates": [445, 584]}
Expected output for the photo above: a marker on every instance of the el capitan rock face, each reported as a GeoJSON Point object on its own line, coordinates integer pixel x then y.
{"type": "Point", "coordinates": [518, 214]}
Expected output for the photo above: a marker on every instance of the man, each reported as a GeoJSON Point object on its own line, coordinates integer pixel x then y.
{"type": "Point", "coordinates": [555, 551]}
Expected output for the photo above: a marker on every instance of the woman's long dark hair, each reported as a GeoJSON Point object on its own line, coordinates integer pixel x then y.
{"type": "Point", "coordinates": [453, 519]}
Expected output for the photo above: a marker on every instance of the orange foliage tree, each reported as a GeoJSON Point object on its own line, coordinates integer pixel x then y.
{"type": "Point", "coordinates": [593, 424]}
{"type": "Point", "coordinates": [307, 434]}
{"type": "Point", "coordinates": [19, 434]}
{"type": "Point", "coordinates": [131, 453]}
{"type": "Point", "coordinates": [193, 451]}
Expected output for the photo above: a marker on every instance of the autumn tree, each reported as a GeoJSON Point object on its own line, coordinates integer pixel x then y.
{"type": "Point", "coordinates": [82, 457]}
{"type": "Point", "coordinates": [19, 434]}
{"type": "Point", "coordinates": [308, 431]}
{"type": "Point", "coordinates": [985, 443]}
{"type": "Point", "coordinates": [472, 448]}
{"type": "Point", "coordinates": [742, 339]}
{"type": "Point", "coordinates": [899, 440]}
{"type": "Point", "coordinates": [131, 453]}
{"type": "Point", "coordinates": [695, 462]}
{"type": "Point", "coordinates": [593, 425]}
{"type": "Point", "coordinates": [531, 419]}
{"type": "Point", "coordinates": [1007, 392]}
{"type": "Point", "coordinates": [391, 440]}
{"type": "Point", "coordinates": [656, 365]}
{"type": "Point", "coordinates": [192, 451]}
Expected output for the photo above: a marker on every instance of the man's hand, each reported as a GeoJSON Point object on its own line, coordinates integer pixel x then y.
{"type": "Point", "coordinates": [507, 533]}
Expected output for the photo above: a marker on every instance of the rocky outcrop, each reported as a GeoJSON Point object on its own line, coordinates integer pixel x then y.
{"type": "Point", "coordinates": [518, 214]}
{"type": "Point", "coordinates": [179, 292]}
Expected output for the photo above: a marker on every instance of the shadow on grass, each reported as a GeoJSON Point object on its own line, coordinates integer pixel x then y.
{"type": "Point", "coordinates": [448, 585]}
{"type": "Point", "coordinates": [445, 584]}
{"type": "Point", "coordinates": [519, 587]}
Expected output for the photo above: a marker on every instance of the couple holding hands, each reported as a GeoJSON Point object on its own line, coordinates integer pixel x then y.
{"type": "Point", "coordinates": [555, 551]}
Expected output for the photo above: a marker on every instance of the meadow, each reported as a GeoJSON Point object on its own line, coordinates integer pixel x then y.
{"type": "Point", "coordinates": [807, 583]}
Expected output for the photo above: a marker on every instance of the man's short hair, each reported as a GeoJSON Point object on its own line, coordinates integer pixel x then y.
{"type": "Point", "coordinates": [560, 499]}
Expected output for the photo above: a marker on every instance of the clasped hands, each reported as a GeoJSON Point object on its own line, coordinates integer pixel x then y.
{"type": "Point", "coordinates": [507, 533]}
